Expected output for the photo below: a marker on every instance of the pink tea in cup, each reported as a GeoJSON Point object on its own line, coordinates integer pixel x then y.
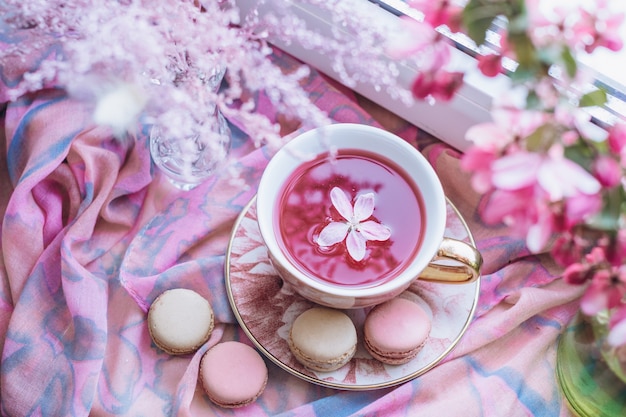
{"type": "Point", "coordinates": [354, 219]}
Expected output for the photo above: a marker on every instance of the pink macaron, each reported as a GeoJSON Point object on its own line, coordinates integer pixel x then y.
{"type": "Point", "coordinates": [395, 331]}
{"type": "Point", "coordinates": [232, 374]}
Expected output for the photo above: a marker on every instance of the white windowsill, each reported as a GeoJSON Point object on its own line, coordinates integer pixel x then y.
{"type": "Point", "coordinates": [448, 121]}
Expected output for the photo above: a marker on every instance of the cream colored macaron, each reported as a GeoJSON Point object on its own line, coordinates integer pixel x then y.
{"type": "Point", "coordinates": [180, 321]}
{"type": "Point", "coordinates": [323, 339]}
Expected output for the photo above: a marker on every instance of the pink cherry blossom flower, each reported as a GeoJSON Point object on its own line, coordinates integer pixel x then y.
{"type": "Point", "coordinates": [558, 176]}
{"type": "Point", "coordinates": [438, 84]}
{"type": "Point", "coordinates": [608, 282]}
{"type": "Point", "coordinates": [607, 289]}
{"type": "Point", "coordinates": [578, 273]}
{"type": "Point", "coordinates": [509, 112]}
{"type": "Point", "coordinates": [447, 83]}
{"type": "Point", "coordinates": [524, 211]}
{"type": "Point", "coordinates": [594, 29]}
{"type": "Point", "coordinates": [356, 230]}
{"type": "Point", "coordinates": [568, 249]}
{"type": "Point", "coordinates": [546, 20]}
{"type": "Point", "coordinates": [530, 188]}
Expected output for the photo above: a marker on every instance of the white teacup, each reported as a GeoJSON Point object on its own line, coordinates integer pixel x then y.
{"type": "Point", "coordinates": [352, 215]}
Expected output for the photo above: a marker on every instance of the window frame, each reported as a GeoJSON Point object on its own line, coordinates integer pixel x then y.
{"type": "Point", "coordinates": [471, 104]}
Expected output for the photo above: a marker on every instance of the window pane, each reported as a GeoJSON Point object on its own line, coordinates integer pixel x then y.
{"type": "Point", "coordinates": [609, 67]}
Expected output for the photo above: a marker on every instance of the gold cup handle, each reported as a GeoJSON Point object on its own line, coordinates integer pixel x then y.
{"type": "Point", "coordinates": [456, 262]}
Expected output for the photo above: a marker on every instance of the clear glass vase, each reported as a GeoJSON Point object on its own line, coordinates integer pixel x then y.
{"type": "Point", "coordinates": [590, 373]}
{"type": "Point", "coordinates": [189, 161]}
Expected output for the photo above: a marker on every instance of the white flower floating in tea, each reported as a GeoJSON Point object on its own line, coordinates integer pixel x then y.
{"type": "Point", "coordinates": [356, 231]}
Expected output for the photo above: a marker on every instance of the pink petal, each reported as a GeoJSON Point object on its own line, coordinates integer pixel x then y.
{"type": "Point", "coordinates": [538, 236]}
{"type": "Point", "coordinates": [596, 256]}
{"type": "Point", "coordinates": [356, 245]}
{"type": "Point", "coordinates": [439, 55]}
{"type": "Point", "coordinates": [564, 178]}
{"type": "Point", "coordinates": [446, 83]}
{"type": "Point", "coordinates": [576, 274]}
{"type": "Point", "coordinates": [617, 324]}
{"type": "Point", "coordinates": [333, 233]}
{"type": "Point", "coordinates": [614, 22]}
{"type": "Point", "coordinates": [593, 302]}
{"type": "Point", "coordinates": [553, 184]}
{"type": "Point", "coordinates": [608, 171]}
{"type": "Point", "coordinates": [581, 179]}
{"type": "Point", "coordinates": [477, 158]}
{"type": "Point", "coordinates": [374, 231]}
{"type": "Point", "coordinates": [502, 204]}
{"type": "Point", "coordinates": [341, 203]}
{"type": "Point", "coordinates": [423, 85]}
{"type": "Point", "coordinates": [580, 207]}
{"type": "Point", "coordinates": [617, 335]}
{"type": "Point", "coordinates": [488, 136]}
{"type": "Point", "coordinates": [508, 114]}
{"type": "Point", "coordinates": [515, 171]}
{"type": "Point", "coordinates": [596, 298]}
{"type": "Point", "coordinates": [481, 182]}
{"type": "Point", "coordinates": [490, 64]}
{"type": "Point", "coordinates": [617, 137]}
{"type": "Point", "coordinates": [412, 37]}
{"type": "Point", "coordinates": [364, 206]}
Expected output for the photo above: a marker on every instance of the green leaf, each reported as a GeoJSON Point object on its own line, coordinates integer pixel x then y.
{"type": "Point", "coordinates": [549, 54]}
{"type": "Point", "coordinates": [477, 17]}
{"type": "Point", "coordinates": [571, 67]}
{"type": "Point", "coordinates": [580, 153]}
{"type": "Point", "coordinates": [532, 100]}
{"type": "Point", "coordinates": [518, 18]}
{"type": "Point", "coordinates": [525, 51]}
{"type": "Point", "coordinates": [594, 98]}
{"type": "Point", "coordinates": [522, 75]}
{"type": "Point", "coordinates": [477, 28]}
{"type": "Point", "coordinates": [541, 139]}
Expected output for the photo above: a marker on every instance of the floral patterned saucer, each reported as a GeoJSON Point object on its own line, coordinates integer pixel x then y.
{"type": "Point", "coordinates": [265, 309]}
